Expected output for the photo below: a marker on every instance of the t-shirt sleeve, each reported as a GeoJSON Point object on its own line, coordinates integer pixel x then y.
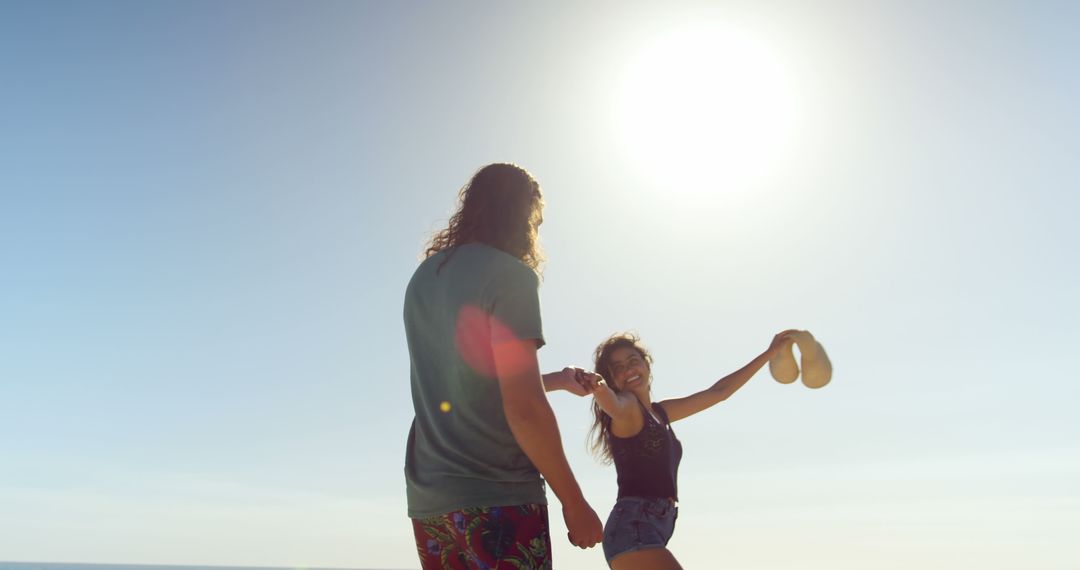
{"type": "Point", "coordinates": [514, 306]}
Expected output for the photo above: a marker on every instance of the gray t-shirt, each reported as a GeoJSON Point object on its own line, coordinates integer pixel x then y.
{"type": "Point", "coordinates": [461, 452]}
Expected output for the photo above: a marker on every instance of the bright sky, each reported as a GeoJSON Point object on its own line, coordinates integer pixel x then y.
{"type": "Point", "coordinates": [209, 212]}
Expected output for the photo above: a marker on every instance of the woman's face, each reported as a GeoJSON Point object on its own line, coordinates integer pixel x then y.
{"type": "Point", "coordinates": [629, 370]}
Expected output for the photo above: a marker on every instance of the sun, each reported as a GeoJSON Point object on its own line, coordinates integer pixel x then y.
{"type": "Point", "coordinates": [706, 108]}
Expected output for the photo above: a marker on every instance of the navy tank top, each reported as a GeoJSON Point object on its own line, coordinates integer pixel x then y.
{"type": "Point", "coordinates": [647, 464]}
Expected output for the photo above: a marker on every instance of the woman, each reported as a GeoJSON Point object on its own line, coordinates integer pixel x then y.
{"type": "Point", "coordinates": [634, 432]}
{"type": "Point", "coordinates": [484, 439]}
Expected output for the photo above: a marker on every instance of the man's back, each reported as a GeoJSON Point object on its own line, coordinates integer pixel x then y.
{"type": "Point", "coordinates": [461, 452]}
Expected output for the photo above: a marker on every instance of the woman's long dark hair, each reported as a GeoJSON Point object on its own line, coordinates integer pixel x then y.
{"type": "Point", "coordinates": [599, 433]}
{"type": "Point", "coordinates": [501, 206]}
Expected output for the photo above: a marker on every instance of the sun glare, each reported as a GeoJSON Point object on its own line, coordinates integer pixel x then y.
{"type": "Point", "coordinates": [709, 108]}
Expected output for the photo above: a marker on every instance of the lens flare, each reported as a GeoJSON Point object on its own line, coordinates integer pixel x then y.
{"type": "Point", "coordinates": [488, 346]}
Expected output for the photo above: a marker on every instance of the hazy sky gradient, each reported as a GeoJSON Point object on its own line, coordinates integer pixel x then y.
{"type": "Point", "coordinates": [209, 213]}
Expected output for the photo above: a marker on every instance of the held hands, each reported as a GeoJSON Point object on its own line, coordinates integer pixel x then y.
{"type": "Point", "coordinates": [579, 382]}
{"type": "Point", "coordinates": [569, 380]}
{"type": "Point", "coordinates": [591, 382]}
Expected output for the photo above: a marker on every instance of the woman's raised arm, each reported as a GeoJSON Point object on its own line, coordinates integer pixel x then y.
{"type": "Point", "coordinates": [679, 408]}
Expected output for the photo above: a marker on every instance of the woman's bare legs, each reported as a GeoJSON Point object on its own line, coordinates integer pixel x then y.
{"type": "Point", "coordinates": [648, 559]}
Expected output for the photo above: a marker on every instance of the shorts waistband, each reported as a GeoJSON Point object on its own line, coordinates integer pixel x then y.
{"type": "Point", "coordinates": [666, 500]}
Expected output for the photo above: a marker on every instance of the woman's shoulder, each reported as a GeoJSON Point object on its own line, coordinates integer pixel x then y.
{"type": "Point", "coordinates": [659, 409]}
{"type": "Point", "coordinates": [631, 424]}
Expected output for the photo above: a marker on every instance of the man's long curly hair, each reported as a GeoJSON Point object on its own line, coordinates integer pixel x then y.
{"type": "Point", "coordinates": [501, 206]}
{"type": "Point", "coordinates": [600, 433]}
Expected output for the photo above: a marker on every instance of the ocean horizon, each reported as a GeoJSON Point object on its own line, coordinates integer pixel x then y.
{"type": "Point", "coordinates": [6, 565]}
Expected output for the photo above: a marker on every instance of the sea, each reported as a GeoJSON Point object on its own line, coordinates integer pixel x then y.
{"type": "Point", "coordinates": [105, 566]}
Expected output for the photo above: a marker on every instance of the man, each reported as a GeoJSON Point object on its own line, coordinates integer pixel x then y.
{"type": "Point", "coordinates": [484, 439]}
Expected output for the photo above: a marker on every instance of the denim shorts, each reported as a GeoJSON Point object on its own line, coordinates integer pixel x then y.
{"type": "Point", "coordinates": [637, 523]}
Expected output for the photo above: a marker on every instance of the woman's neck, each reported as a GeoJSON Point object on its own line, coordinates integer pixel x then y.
{"type": "Point", "coordinates": [646, 400]}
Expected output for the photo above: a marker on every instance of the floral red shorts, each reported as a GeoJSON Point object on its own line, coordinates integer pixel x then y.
{"type": "Point", "coordinates": [489, 538]}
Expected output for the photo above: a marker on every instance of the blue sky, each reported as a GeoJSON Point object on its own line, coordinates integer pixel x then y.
{"type": "Point", "coordinates": [209, 212]}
